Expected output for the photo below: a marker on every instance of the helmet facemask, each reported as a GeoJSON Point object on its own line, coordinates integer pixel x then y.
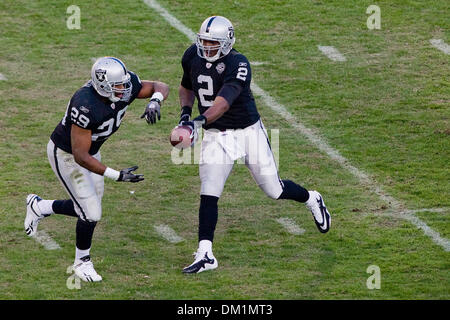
{"type": "Point", "coordinates": [205, 51]}
{"type": "Point", "coordinates": [125, 91]}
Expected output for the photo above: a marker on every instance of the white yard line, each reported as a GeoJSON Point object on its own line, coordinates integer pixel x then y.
{"type": "Point", "coordinates": [44, 238]}
{"type": "Point", "coordinates": [2, 77]}
{"type": "Point", "coordinates": [257, 63]}
{"type": "Point", "coordinates": [318, 141]}
{"type": "Point", "coordinates": [290, 226]}
{"type": "Point", "coordinates": [168, 233]}
{"type": "Point", "coordinates": [438, 210]}
{"type": "Point", "coordinates": [174, 22]}
{"type": "Point", "coordinates": [332, 53]}
{"type": "Point", "coordinates": [441, 45]}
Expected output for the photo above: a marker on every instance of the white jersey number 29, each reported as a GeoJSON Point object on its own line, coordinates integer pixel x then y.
{"type": "Point", "coordinates": [108, 126]}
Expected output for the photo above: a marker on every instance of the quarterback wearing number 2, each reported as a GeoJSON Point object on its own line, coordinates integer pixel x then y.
{"type": "Point", "coordinates": [219, 77]}
{"type": "Point", "coordinates": [94, 113]}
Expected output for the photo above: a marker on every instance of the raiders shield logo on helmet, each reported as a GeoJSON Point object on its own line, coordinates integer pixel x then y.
{"type": "Point", "coordinates": [100, 74]}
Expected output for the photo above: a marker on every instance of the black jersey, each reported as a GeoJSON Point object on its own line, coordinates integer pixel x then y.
{"type": "Point", "coordinates": [229, 77]}
{"type": "Point", "coordinates": [88, 110]}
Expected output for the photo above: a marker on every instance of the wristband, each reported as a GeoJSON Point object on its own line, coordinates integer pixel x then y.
{"type": "Point", "coordinates": [112, 174]}
{"type": "Point", "coordinates": [186, 110]}
{"type": "Point", "coordinates": [157, 96]}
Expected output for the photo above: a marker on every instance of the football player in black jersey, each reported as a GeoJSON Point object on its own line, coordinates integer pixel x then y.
{"type": "Point", "coordinates": [219, 77]}
{"type": "Point", "coordinates": [93, 114]}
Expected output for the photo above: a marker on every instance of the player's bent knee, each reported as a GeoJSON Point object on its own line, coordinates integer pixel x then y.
{"type": "Point", "coordinates": [273, 193]}
{"type": "Point", "coordinates": [212, 193]}
{"type": "Point", "coordinates": [95, 218]}
{"type": "Point", "coordinates": [94, 215]}
{"type": "Point", "coordinates": [211, 189]}
{"type": "Point", "coordinates": [93, 210]}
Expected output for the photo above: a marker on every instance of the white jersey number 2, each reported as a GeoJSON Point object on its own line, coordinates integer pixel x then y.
{"type": "Point", "coordinates": [242, 74]}
{"type": "Point", "coordinates": [205, 92]}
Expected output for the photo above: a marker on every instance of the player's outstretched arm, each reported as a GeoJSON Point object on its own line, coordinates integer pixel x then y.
{"type": "Point", "coordinates": [81, 143]}
{"type": "Point", "coordinates": [151, 87]}
{"type": "Point", "coordinates": [157, 92]}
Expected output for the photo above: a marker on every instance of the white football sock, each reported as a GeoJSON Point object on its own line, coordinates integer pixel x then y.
{"type": "Point", "coordinates": [46, 206]}
{"type": "Point", "coordinates": [205, 245]}
{"type": "Point", "coordinates": [81, 253]}
{"type": "Point", "coordinates": [311, 199]}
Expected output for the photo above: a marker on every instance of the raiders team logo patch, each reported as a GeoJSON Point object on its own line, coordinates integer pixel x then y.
{"type": "Point", "coordinates": [220, 67]}
{"type": "Point", "coordinates": [100, 74]}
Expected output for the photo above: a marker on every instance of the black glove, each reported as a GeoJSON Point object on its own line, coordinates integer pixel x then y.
{"type": "Point", "coordinates": [195, 126]}
{"type": "Point", "coordinates": [185, 114]}
{"type": "Point", "coordinates": [153, 108]}
{"type": "Point", "coordinates": [184, 118]}
{"type": "Point", "coordinates": [127, 176]}
{"type": "Point", "coordinates": [196, 123]}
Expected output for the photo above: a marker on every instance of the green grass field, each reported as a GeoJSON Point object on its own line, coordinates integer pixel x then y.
{"type": "Point", "coordinates": [386, 109]}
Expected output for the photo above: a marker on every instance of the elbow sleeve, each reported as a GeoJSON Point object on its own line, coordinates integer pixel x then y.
{"type": "Point", "coordinates": [230, 91]}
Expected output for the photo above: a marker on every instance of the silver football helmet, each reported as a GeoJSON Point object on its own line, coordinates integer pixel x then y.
{"type": "Point", "coordinates": [107, 73]}
{"type": "Point", "coordinates": [215, 28]}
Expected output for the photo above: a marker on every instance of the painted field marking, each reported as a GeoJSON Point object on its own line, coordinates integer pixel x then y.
{"type": "Point", "coordinates": [427, 210]}
{"type": "Point", "coordinates": [441, 45]}
{"type": "Point", "coordinates": [44, 238]}
{"type": "Point", "coordinates": [332, 53]}
{"type": "Point", "coordinates": [409, 216]}
{"type": "Point", "coordinates": [318, 141]}
{"type": "Point", "coordinates": [290, 226]}
{"type": "Point", "coordinates": [174, 22]}
{"type": "Point", "coordinates": [391, 213]}
{"type": "Point", "coordinates": [2, 77]}
{"type": "Point", "coordinates": [257, 63]}
{"type": "Point", "coordinates": [168, 233]}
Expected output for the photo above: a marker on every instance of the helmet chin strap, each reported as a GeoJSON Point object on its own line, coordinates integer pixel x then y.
{"type": "Point", "coordinates": [212, 59]}
{"type": "Point", "coordinates": [215, 57]}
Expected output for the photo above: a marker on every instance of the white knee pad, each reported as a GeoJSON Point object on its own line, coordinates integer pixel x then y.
{"type": "Point", "coordinates": [94, 211]}
{"type": "Point", "coordinates": [89, 209]}
{"type": "Point", "coordinates": [211, 188]}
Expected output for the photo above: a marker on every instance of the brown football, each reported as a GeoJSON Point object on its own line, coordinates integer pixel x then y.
{"type": "Point", "coordinates": [180, 137]}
